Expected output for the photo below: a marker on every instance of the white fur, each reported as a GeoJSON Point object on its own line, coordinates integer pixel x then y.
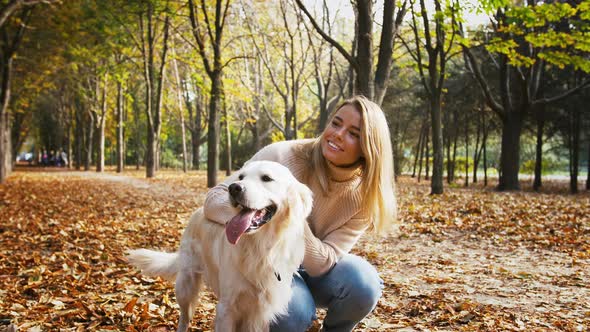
{"type": "Point", "coordinates": [244, 275]}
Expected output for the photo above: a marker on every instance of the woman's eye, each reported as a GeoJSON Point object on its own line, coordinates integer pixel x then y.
{"type": "Point", "coordinates": [266, 178]}
{"type": "Point", "coordinates": [355, 135]}
{"type": "Point", "coordinates": [335, 124]}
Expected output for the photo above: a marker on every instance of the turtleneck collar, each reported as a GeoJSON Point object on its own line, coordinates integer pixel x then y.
{"type": "Point", "coordinates": [344, 174]}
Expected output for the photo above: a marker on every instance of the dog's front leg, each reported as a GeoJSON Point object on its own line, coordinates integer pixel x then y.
{"type": "Point", "coordinates": [224, 319]}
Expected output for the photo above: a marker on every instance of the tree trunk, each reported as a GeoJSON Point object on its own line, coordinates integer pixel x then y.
{"type": "Point", "coordinates": [227, 143]}
{"type": "Point", "coordinates": [466, 152]}
{"type": "Point", "coordinates": [151, 153]}
{"type": "Point", "coordinates": [427, 156]}
{"type": "Point", "coordinates": [422, 148]}
{"type": "Point", "coordinates": [364, 58]}
{"type": "Point", "coordinates": [180, 113]}
{"type": "Point", "coordinates": [485, 158]}
{"type": "Point", "coordinates": [79, 140]}
{"type": "Point", "coordinates": [120, 137]}
{"type": "Point", "coordinates": [5, 148]}
{"type": "Point", "coordinates": [539, 148]}
{"type": "Point", "coordinates": [477, 149]}
{"type": "Point", "coordinates": [213, 130]}
{"type": "Point", "coordinates": [436, 184]}
{"type": "Point", "coordinates": [575, 149]}
{"type": "Point", "coordinates": [454, 160]}
{"type": "Point", "coordinates": [418, 150]}
{"type": "Point", "coordinates": [588, 170]}
{"type": "Point", "coordinates": [447, 144]}
{"type": "Point", "coordinates": [89, 142]}
{"type": "Point", "coordinates": [510, 151]}
{"type": "Point", "coordinates": [5, 139]}
{"type": "Point", "coordinates": [196, 126]}
{"type": "Point", "coordinates": [100, 144]}
{"type": "Point", "coordinates": [101, 122]}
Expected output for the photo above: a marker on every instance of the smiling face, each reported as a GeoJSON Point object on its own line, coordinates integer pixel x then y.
{"type": "Point", "coordinates": [341, 140]}
{"type": "Point", "coordinates": [264, 189]}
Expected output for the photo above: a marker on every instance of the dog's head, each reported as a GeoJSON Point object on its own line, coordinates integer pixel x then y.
{"type": "Point", "coordinates": [264, 192]}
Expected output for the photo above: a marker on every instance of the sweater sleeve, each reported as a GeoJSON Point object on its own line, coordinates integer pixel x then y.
{"type": "Point", "coordinates": [321, 256]}
{"type": "Point", "coordinates": [217, 206]}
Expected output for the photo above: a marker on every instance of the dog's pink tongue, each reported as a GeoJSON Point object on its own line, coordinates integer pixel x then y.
{"type": "Point", "coordinates": [238, 225]}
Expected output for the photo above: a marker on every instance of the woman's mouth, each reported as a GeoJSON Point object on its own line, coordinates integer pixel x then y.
{"type": "Point", "coordinates": [334, 146]}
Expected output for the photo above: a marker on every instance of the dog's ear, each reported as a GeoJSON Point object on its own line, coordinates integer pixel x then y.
{"type": "Point", "coordinates": [303, 197]}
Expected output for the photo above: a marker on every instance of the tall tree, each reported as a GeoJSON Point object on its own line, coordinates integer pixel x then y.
{"type": "Point", "coordinates": [154, 28]}
{"type": "Point", "coordinates": [11, 36]}
{"type": "Point", "coordinates": [287, 72]}
{"type": "Point", "coordinates": [368, 81]}
{"type": "Point", "coordinates": [525, 39]}
{"type": "Point", "coordinates": [208, 34]}
{"type": "Point", "coordinates": [436, 44]}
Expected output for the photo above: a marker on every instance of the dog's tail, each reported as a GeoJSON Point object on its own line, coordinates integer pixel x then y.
{"type": "Point", "coordinates": [155, 263]}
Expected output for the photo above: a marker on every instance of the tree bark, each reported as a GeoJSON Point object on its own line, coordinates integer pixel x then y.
{"type": "Point", "coordinates": [418, 151]}
{"type": "Point", "coordinates": [120, 137]}
{"type": "Point", "coordinates": [484, 147]}
{"type": "Point", "coordinates": [510, 151]}
{"type": "Point", "coordinates": [79, 134]}
{"type": "Point", "coordinates": [5, 147]}
{"type": "Point", "coordinates": [422, 152]}
{"type": "Point", "coordinates": [89, 141]}
{"type": "Point", "coordinates": [477, 148]}
{"type": "Point", "coordinates": [575, 149]}
{"type": "Point", "coordinates": [540, 112]}
{"type": "Point", "coordinates": [588, 170]}
{"type": "Point", "coordinates": [180, 114]}
{"type": "Point", "coordinates": [436, 185]}
{"type": "Point", "coordinates": [100, 123]}
{"type": "Point", "coordinates": [466, 152]}
{"type": "Point", "coordinates": [213, 131]}
{"type": "Point", "coordinates": [227, 142]}
{"type": "Point", "coordinates": [427, 156]}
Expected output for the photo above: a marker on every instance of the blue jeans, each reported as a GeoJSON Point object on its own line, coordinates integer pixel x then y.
{"type": "Point", "coordinates": [349, 292]}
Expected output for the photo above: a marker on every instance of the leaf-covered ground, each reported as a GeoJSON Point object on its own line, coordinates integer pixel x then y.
{"type": "Point", "coordinates": [469, 260]}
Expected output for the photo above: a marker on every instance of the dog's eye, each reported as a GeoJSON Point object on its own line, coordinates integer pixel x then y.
{"type": "Point", "coordinates": [241, 177]}
{"type": "Point", "coordinates": [266, 178]}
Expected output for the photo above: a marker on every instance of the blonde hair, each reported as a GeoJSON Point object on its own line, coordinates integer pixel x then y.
{"type": "Point", "coordinates": [377, 183]}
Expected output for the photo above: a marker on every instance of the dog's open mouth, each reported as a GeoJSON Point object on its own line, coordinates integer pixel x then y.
{"type": "Point", "coordinates": [248, 220]}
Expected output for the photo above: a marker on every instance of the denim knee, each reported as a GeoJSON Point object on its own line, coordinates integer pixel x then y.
{"type": "Point", "coordinates": [349, 291]}
{"type": "Point", "coordinates": [362, 286]}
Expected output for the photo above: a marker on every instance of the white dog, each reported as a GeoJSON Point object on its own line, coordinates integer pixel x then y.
{"type": "Point", "coordinates": [252, 277]}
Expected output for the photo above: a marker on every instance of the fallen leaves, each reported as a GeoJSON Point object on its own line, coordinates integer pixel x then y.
{"type": "Point", "coordinates": [467, 260]}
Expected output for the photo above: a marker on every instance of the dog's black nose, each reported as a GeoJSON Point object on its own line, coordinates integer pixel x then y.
{"type": "Point", "coordinates": [236, 189]}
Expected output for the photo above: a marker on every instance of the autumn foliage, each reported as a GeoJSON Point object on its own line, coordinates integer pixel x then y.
{"type": "Point", "coordinates": [468, 260]}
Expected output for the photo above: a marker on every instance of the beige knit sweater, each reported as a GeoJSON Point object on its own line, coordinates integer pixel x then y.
{"type": "Point", "coordinates": [338, 218]}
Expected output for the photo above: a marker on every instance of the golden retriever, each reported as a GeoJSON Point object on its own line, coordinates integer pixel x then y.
{"type": "Point", "coordinates": [251, 277]}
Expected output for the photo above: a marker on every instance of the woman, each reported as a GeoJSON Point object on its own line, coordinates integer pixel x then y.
{"type": "Point", "coordinates": [349, 168]}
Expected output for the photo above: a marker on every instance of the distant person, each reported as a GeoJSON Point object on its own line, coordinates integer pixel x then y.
{"type": "Point", "coordinates": [52, 158]}
{"type": "Point", "coordinates": [63, 157]}
{"type": "Point", "coordinates": [44, 158]}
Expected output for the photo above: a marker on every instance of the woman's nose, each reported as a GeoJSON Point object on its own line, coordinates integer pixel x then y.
{"type": "Point", "coordinates": [340, 132]}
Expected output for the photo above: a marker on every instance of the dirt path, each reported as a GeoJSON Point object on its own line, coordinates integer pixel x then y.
{"type": "Point", "coordinates": [466, 261]}
{"type": "Point", "coordinates": [532, 288]}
